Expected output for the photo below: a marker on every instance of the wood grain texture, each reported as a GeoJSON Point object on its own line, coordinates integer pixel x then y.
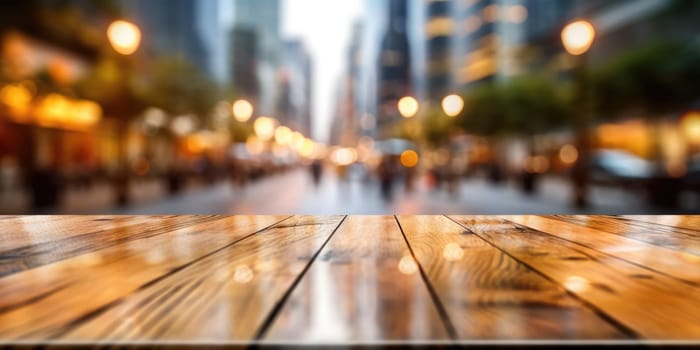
{"type": "Point", "coordinates": [303, 279]}
{"type": "Point", "coordinates": [649, 304]}
{"type": "Point", "coordinates": [678, 264]}
{"type": "Point", "coordinates": [76, 235]}
{"type": "Point", "coordinates": [671, 237]}
{"type": "Point", "coordinates": [489, 295]}
{"type": "Point", "coordinates": [364, 286]}
{"type": "Point", "coordinates": [690, 222]}
{"type": "Point", "coordinates": [224, 296]}
{"type": "Point", "coordinates": [50, 300]}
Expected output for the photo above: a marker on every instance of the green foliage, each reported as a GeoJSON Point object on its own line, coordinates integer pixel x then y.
{"type": "Point", "coordinates": [523, 105]}
{"type": "Point", "coordinates": [654, 79]}
{"type": "Point", "coordinates": [437, 127]}
{"type": "Point", "coordinates": [178, 87]}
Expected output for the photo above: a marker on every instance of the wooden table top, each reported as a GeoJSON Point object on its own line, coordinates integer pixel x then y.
{"type": "Point", "coordinates": [336, 279]}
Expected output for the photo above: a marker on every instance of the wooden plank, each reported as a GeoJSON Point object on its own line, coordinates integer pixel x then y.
{"type": "Point", "coordinates": [489, 295]}
{"type": "Point", "coordinates": [50, 300]}
{"type": "Point", "coordinates": [365, 286]}
{"type": "Point", "coordinates": [76, 235]}
{"type": "Point", "coordinates": [20, 231]}
{"type": "Point", "coordinates": [225, 296]}
{"type": "Point", "coordinates": [678, 264]}
{"type": "Point", "coordinates": [649, 304]}
{"type": "Point", "coordinates": [676, 238]}
{"type": "Point", "coordinates": [689, 222]}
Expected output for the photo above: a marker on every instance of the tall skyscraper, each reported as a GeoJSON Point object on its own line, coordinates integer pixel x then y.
{"type": "Point", "coordinates": [394, 61]}
{"type": "Point", "coordinates": [262, 17]}
{"type": "Point", "coordinates": [170, 28]}
{"type": "Point", "coordinates": [295, 87]}
{"type": "Point", "coordinates": [439, 28]}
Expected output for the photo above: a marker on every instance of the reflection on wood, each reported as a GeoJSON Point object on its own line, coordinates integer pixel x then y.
{"type": "Point", "coordinates": [647, 303]}
{"type": "Point", "coordinates": [199, 278]}
{"type": "Point", "coordinates": [488, 294]}
{"type": "Point", "coordinates": [50, 300]}
{"type": "Point", "coordinates": [363, 286]}
{"type": "Point", "coordinates": [664, 260]}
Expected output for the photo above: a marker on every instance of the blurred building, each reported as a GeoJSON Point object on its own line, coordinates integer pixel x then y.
{"type": "Point", "coordinates": [244, 62]}
{"type": "Point", "coordinates": [295, 84]}
{"type": "Point", "coordinates": [394, 62]}
{"type": "Point", "coordinates": [439, 28]}
{"type": "Point", "coordinates": [262, 19]}
{"type": "Point", "coordinates": [171, 27]}
{"type": "Point", "coordinates": [345, 127]}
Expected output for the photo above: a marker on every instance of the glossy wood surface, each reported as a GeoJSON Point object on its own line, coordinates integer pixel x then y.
{"type": "Point", "coordinates": [341, 279]}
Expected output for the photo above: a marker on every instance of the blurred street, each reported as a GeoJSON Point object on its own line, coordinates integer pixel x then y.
{"type": "Point", "coordinates": [294, 192]}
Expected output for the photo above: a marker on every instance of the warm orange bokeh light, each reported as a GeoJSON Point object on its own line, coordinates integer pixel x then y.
{"type": "Point", "coordinates": [124, 37]}
{"type": "Point", "coordinates": [265, 128]}
{"type": "Point", "coordinates": [690, 125]}
{"type": "Point", "coordinates": [283, 135]}
{"type": "Point", "coordinates": [242, 110]}
{"type": "Point", "coordinates": [577, 37]}
{"type": "Point", "coordinates": [452, 105]}
{"type": "Point", "coordinates": [408, 106]}
{"type": "Point", "coordinates": [409, 158]}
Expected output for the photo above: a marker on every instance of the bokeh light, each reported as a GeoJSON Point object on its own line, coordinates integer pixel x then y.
{"type": "Point", "coordinates": [577, 37]}
{"type": "Point", "coordinates": [242, 110]}
{"type": "Point", "coordinates": [452, 105]}
{"type": "Point", "coordinates": [408, 106]}
{"type": "Point", "coordinates": [124, 36]}
{"type": "Point", "coordinates": [409, 158]}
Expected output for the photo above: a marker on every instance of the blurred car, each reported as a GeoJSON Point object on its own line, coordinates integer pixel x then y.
{"type": "Point", "coordinates": [620, 168]}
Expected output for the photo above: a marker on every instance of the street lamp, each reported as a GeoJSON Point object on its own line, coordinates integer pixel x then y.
{"type": "Point", "coordinates": [124, 37]}
{"type": "Point", "coordinates": [577, 38]}
{"type": "Point", "coordinates": [242, 110]}
{"type": "Point", "coordinates": [452, 105]}
{"type": "Point", "coordinates": [408, 106]}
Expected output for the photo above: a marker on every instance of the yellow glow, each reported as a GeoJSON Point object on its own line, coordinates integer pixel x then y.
{"type": "Point", "coordinates": [344, 156]}
{"type": "Point", "coordinates": [124, 37]}
{"type": "Point", "coordinates": [452, 105]}
{"type": "Point", "coordinates": [407, 265]}
{"type": "Point", "coordinates": [307, 148]}
{"type": "Point", "coordinates": [243, 274]}
{"type": "Point", "coordinates": [576, 284]}
{"type": "Point", "coordinates": [690, 124]}
{"type": "Point", "coordinates": [17, 98]}
{"type": "Point", "coordinates": [86, 113]}
{"type": "Point", "coordinates": [452, 252]}
{"type": "Point", "coordinates": [577, 37]}
{"type": "Point", "coordinates": [265, 128]}
{"type": "Point", "coordinates": [283, 135]}
{"type": "Point", "coordinates": [568, 154]}
{"type": "Point", "coordinates": [242, 110]}
{"type": "Point", "coordinates": [409, 158]}
{"type": "Point", "coordinates": [439, 26]}
{"type": "Point", "coordinates": [254, 145]}
{"type": "Point", "coordinates": [408, 106]}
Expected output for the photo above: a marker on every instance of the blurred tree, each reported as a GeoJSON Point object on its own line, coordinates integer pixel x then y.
{"type": "Point", "coordinates": [652, 80]}
{"type": "Point", "coordinates": [524, 105]}
{"type": "Point", "coordinates": [179, 87]}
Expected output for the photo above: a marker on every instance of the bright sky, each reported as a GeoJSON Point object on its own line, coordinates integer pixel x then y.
{"type": "Point", "coordinates": [325, 26]}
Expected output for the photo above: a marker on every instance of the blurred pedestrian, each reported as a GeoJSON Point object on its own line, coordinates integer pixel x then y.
{"type": "Point", "coordinates": [316, 171]}
{"type": "Point", "coordinates": [386, 174]}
